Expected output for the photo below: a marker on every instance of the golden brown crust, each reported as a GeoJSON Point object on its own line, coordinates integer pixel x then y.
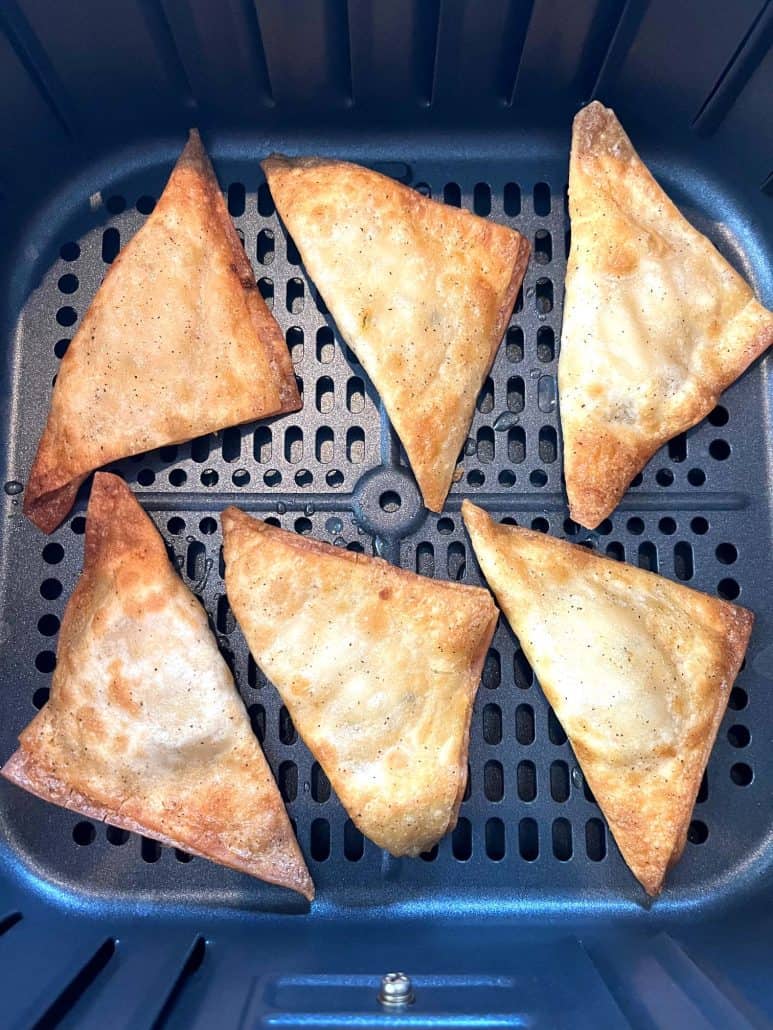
{"type": "Point", "coordinates": [144, 728]}
{"type": "Point", "coordinates": [264, 325]}
{"type": "Point", "coordinates": [176, 343]}
{"type": "Point", "coordinates": [638, 670]}
{"type": "Point", "coordinates": [420, 291]}
{"type": "Point", "coordinates": [26, 772]}
{"type": "Point", "coordinates": [656, 322]}
{"type": "Point", "coordinates": [598, 472]}
{"type": "Point", "coordinates": [377, 666]}
{"type": "Point", "coordinates": [233, 520]}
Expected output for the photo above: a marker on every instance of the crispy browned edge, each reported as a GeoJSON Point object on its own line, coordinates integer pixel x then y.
{"type": "Point", "coordinates": [234, 517]}
{"type": "Point", "coordinates": [47, 506]}
{"type": "Point", "coordinates": [433, 499]}
{"type": "Point", "coordinates": [520, 264]}
{"type": "Point", "coordinates": [23, 770]}
{"type": "Point", "coordinates": [584, 556]}
{"type": "Point", "coordinates": [739, 622]}
{"type": "Point", "coordinates": [476, 671]}
{"type": "Point", "coordinates": [265, 325]}
{"type": "Point", "coordinates": [596, 128]}
{"type": "Point", "coordinates": [589, 506]}
{"type": "Point", "coordinates": [115, 531]}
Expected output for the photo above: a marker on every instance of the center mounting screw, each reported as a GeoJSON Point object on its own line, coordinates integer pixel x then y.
{"type": "Point", "coordinates": [396, 991]}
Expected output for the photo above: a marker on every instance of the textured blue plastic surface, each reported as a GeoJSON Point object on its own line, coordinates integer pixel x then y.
{"type": "Point", "coordinates": [464, 100]}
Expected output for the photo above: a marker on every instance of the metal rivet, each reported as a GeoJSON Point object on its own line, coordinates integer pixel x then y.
{"type": "Point", "coordinates": [396, 991]}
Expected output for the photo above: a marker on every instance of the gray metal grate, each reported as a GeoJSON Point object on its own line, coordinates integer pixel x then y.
{"type": "Point", "coordinates": [335, 470]}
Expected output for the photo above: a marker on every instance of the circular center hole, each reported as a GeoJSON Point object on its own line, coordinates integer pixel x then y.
{"type": "Point", "coordinates": [390, 500]}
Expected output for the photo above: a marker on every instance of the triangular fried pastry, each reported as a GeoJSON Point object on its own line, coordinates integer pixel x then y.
{"type": "Point", "coordinates": [638, 670]}
{"type": "Point", "coordinates": [656, 322]}
{"type": "Point", "coordinates": [144, 728]}
{"type": "Point", "coordinates": [177, 342]}
{"type": "Point", "coordinates": [421, 292]}
{"type": "Point", "coordinates": [377, 666]}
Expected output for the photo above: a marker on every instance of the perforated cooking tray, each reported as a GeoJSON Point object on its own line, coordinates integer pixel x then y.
{"type": "Point", "coordinates": [530, 844]}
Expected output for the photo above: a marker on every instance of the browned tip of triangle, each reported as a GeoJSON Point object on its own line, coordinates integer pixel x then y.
{"type": "Point", "coordinates": [589, 506]}
{"type": "Point", "coordinates": [194, 155]}
{"type": "Point", "coordinates": [598, 467]}
{"type": "Point", "coordinates": [279, 165]}
{"type": "Point", "coordinates": [238, 529]}
{"type": "Point", "coordinates": [193, 181]}
{"type": "Point", "coordinates": [648, 866]}
{"type": "Point", "coordinates": [234, 519]}
{"type": "Point", "coordinates": [45, 507]}
{"type": "Point", "coordinates": [475, 518]}
{"type": "Point", "coordinates": [286, 175]}
{"type": "Point", "coordinates": [116, 524]}
{"type": "Point", "coordinates": [486, 533]}
{"type": "Point", "coordinates": [276, 168]}
{"type": "Point", "coordinates": [650, 854]}
{"type": "Point", "coordinates": [296, 876]}
{"type": "Point", "coordinates": [596, 129]}
{"type": "Point", "coordinates": [284, 865]}
{"type": "Point", "coordinates": [275, 162]}
{"type": "Point", "coordinates": [433, 491]}
{"type": "Point", "coordinates": [112, 503]}
{"type": "Point", "coordinates": [280, 172]}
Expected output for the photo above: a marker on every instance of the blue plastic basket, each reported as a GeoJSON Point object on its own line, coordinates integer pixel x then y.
{"type": "Point", "coordinates": [526, 915]}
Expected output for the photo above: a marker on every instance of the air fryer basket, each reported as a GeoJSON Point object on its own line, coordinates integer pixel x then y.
{"type": "Point", "coordinates": [469, 103]}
